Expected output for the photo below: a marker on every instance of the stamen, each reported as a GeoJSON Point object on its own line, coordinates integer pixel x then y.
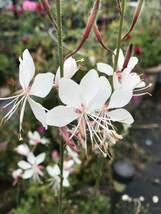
{"type": "Point", "coordinates": [75, 130]}
{"type": "Point", "coordinates": [8, 98]}
{"type": "Point", "coordinates": [15, 106]}
{"type": "Point", "coordinates": [146, 87]}
{"type": "Point", "coordinates": [8, 104]}
{"type": "Point", "coordinates": [136, 95]}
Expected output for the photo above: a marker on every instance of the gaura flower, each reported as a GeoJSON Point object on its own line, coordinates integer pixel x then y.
{"type": "Point", "coordinates": [54, 172]}
{"type": "Point", "coordinates": [85, 102]}
{"type": "Point", "coordinates": [35, 138]}
{"type": "Point", "coordinates": [123, 77]}
{"type": "Point", "coordinates": [32, 168]}
{"type": "Point", "coordinates": [23, 149]}
{"type": "Point", "coordinates": [41, 86]}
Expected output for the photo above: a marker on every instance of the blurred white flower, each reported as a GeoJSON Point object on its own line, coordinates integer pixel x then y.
{"type": "Point", "coordinates": [155, 199]}
{"type": "Point", "coordinates": [73, 155]}
{"type": "Point", "coordinates": [70, 68]}
{"type": "Point", "coordinates": [54, 172]}
{"type": "Point", "coordinates": [141, 198]}
{"type": "Point", "coordinates": [35, 138]}
{"type": "Point", "coordinates": [40, 87]}
{"type": "Point", "coordinates": [125, 197]}
{"type": "Point", "coordinates": [32, 168]}
{"type": "Point", "coordinates": [22, 149]}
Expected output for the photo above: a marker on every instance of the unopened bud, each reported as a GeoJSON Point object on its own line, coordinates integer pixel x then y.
{"type": "Point", "coordinates": [135, 18]}
{"type": "Point", "coordinates": [127, 56]}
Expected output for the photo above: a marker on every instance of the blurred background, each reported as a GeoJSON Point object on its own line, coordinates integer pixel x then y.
{"type": "Point", "coordinates": [128, 183]}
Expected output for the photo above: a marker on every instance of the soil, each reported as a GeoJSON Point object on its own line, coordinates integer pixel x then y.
{"type": "Point", "coordinates": [147, 135]}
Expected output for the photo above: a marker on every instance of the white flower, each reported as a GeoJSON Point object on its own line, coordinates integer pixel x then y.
{"type": "Point", "coordinates": [123, 77]}
{"type": "Point", "coordinates": [155, 199]}
{"type": "Point", "coordinates": [35, 138]}
{"type": "Point", "coordinates": [22, 149]}
{"type": "Point", "coordinates": [70, 68]}
{"type": "Point", "coordinates": [73, 155]}
{"type": "Point", "coordinates": [79, 98]}
{"type": "Point", "coordinates": [87, 103]}
{"type": "Point", "coordinates": [32, 168]}
{"type": "Point", "coordinates": [126, 198]}
{"type": "Point", "coordinates": [41, 86]}
{"type": "Point", "coordinates": [54, 172]}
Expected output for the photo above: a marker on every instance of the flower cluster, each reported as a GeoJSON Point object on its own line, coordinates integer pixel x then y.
{"type": "Point", "coordinates": [33, 167]}
{"type": "Point", "coordinates": [89, 108]}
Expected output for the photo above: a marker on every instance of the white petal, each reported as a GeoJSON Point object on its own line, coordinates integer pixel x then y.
{"type": "Point", "coordinates": [66, 173]}
{"type": "Point", "coordinates": [89, 86]}
{"type": "Point", "coordinates": [66, 183]}
{"type": "Point", "coordinates": [53, 171]}
{"type": "Point", "coordinates": [132, 63]}
{"type": "Point", "coordinates": [17, 173]}
{"type": "Point", "coordinates": [120, 98]}
{"type": "Point", "coordinates": [28, 174]}
{"type": "Point", "coordinates": [40, 158]}
{"type": "Point", "coordinates": [42, 85]}
{"type": "Point", "coordinates": [61, 116]}
{"type": "Point", "coordinates": [121, 60]}
{"type": "Point", "coordinates": [102, 96]}
{"type": "Point", "coordinates": [24, 165]}
{"type": "Point", "coordinates": [116, 83]}
{"type": "Point", "coordinates": [34, 137]}
{"type": "Point", "coordinates": [38, 111]}
{"type": "Point", "coordinates": [68, 164]}
{"type": "Point", "coordinates": [142, 84]}
{"type": "Point", "coordinates": [105, 68]}
{"type": "Point", "coordinates": [70, 68]}
{"type": "Point", "coordinates": [121, 115]}
{"type": "Point", "coordinates": [69, 92]}
{"type": "Point", "coordinates": [26, 69]}
{"type": "Point", "coordinates": [31, 158]}
{"type": "Point", "coordinates": [23, 149]}
{"type": "Point", "coordinates": [130, 81]}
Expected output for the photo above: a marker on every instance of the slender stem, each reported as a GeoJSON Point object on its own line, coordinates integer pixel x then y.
{"type": "Point", "coordinates": [59, 35]}
{"type": "Point", "coordinates": [60, 211]}
{"type": "Point", "coordinates": [120, 34]}
{"type": "Point", "coordinates": [37, 203]}
{"type": "Point", "coordinates": [60, 55]}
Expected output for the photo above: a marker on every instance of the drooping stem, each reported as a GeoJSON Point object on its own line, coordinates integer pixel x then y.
{"type": "Point", "coordinates": [60, 55]}
{"type": "Point", "coordinates": [119, 34]}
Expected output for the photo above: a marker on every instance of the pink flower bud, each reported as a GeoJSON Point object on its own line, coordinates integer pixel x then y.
{"type": "Point", "coordinates": [138, 50]}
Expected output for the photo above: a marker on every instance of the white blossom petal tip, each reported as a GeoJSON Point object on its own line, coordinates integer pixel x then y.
{"type": "Point", "coordinates": [105, 69]}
